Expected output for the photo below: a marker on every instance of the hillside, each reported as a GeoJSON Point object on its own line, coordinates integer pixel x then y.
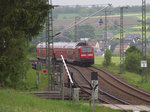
{"type": "Point", "coordinates": [94, 21]}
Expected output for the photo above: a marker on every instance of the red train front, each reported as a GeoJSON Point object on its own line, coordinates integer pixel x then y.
{"type": "Point", "coordinates": [78, 53]}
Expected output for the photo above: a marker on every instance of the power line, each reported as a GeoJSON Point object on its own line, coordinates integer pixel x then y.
{"type": "Point", "coordinates": [73, 24]}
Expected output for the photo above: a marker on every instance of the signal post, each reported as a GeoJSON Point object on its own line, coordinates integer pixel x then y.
{"type": "Point", "coordinates": [94, 85]}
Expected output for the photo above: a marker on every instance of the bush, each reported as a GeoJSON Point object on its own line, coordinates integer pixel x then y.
{"type": "Point", "coordinates": [107, 58]}
{"type": "Point", "coordinates": [133, 59]}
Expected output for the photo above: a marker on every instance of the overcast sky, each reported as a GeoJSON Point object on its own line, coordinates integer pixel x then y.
{"type": "Point", "coordinates": [95, 2]}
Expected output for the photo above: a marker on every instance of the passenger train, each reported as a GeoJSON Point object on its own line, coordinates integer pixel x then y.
{"type": "Point", "coordinates": [76, 53]}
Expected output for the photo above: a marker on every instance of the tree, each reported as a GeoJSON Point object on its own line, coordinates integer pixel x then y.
{"type": "Point", "coordinates": [21, 20]}
{"type": "Point", "coordinates": [107, 58]}
{"type": "Point", "coordinates": [148, 23]}
{"type": "Point", "coordinates": [85, 31]}
{"type": "Point", "coordinates": [133, 58]}
{"type": "Point", "coordinates": [115, 24]}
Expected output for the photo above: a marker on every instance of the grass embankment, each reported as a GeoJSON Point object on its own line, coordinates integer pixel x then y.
{"type": "Point", "coordinates": [132, 78]}
{"type": "Point", "coordinates": [13, 101]}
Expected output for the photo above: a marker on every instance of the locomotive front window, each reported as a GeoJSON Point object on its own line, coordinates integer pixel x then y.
{"type": "Point", "coordinates": [86, 50]}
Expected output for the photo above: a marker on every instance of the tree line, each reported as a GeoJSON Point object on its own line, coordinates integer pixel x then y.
{"type": "Point", "coordinates": [85, 11]}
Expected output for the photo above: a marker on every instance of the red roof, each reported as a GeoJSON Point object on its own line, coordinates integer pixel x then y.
{"type": "Point", "coordinates": [90, 43]}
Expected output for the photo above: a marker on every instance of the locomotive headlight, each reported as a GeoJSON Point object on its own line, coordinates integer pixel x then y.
{"type": "Point", "coordinates": [90, 54]}
{"type": "Point", "coordinates": [83, 54]}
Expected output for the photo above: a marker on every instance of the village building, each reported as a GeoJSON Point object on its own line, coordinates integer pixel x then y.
{"type": "Point", "coordinates": [117, 48]}
{"type": "Point", "coordinates": [96, 46]}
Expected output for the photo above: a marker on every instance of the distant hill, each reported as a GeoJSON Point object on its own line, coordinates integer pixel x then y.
{"type": "Point", "coordinates": [94, 21]}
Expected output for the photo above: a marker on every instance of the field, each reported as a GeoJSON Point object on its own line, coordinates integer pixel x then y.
{"type": "Point", "coordinates": [132, 15]}
{"type": "Point", "coordinates": [99, 60]}
{"type": "Point", "coordinates": [129, 19]}
{"type": "Point", "coordinates": [94, 21]}
{"type": "Point", "coordinates": [137, 15]}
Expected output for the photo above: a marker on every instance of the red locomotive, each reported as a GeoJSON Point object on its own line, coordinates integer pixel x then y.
{"type": "Point", "coordinates": [78, 53]}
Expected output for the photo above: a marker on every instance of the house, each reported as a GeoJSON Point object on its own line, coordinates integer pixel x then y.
{"type": "Point", "coordinates": [132, 38]}
{"type": "Point", "coordinates": [109, 35]}
{"type": "Point", "coordinates": [149, 39]}
{"type": "Point", "coordinates": [84, 39]}
{"type": "Point", "coordinates": [117, 48]}
{"type": "Point", "coordinates": [147, 47]}
{"type": "Point", "coordinates": [95, 45]}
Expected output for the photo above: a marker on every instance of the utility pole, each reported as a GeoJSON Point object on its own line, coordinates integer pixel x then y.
{"type": "Point", "coordinates": [75, 29]}
{"type": "Point", "coordinates": [144, 68]}
{"type": "Point", "coordinates": [121, 41]}
{"type": "Point", "coordinates": [105, 37]}
{"type": "Point", "coordinates": [49, 46]}
{"type": "Point", "coordinates": [144, 28]}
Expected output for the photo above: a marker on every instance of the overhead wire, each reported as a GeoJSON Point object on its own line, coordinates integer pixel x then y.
{"type": "Point", "coordinates": [73, 24]}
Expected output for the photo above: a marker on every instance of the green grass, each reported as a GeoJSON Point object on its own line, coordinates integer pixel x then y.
{"type": "Point", "coordinates": [30, 57]}
{"type": "Point", "coordinates": [132, 78]}
{"type": "Point", "coordinates": [31, 79]}
{"type": "Point", "coordinates": [13, 101]}
{"type": "Point", "coordinates": [137, 15]}
{"type": "Point", "coordinates": [100, 59]}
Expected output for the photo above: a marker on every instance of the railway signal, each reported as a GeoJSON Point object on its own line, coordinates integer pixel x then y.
{"type": "Point", "coordinates": [34, 66]}
{"type": "Point", "coordinates": [44, 71]}
{"type": "Point", "coordinates": [100, 22]}
{"type": "Point", "coordinates": [94, 84]}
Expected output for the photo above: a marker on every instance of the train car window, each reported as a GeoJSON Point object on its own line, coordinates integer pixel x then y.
{"type": "Point", "coordinates": [89, 49]}
{"type": "Point", "coordinates": [86, 50]}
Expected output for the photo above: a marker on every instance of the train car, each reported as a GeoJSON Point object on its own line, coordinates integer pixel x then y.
{"type": "Point", "coordinates": [77, 53]}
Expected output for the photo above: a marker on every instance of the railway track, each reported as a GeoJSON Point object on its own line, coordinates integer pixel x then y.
{"type": "Point", "coordinates": [103, 96]}
{"type": "Point", "coordinates": [125, 91]}
{"type": "Point", "coordinates": [114, 88]}
{"type": "Point", "coordinates": [57, 95]}
{"type": "Point", "coordinates": [118, 88]}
